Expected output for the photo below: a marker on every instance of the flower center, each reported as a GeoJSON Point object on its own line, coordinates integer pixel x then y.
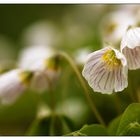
{"type": "Point", "coordinates": [25, 77]}
{"type": "Point", "coordinates": [111, 27]}
{"type": "Point", "coordinates": [111, 60]}
{"type": "Point", "coordinates": [52, 63]}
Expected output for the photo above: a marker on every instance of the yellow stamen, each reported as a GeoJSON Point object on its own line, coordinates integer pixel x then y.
{"type": "Point", "coordinates": [111, 28]}
{"type": "Point", "coordinates": [111, 60]}
{"type": "Point", "coordinates": [26, 76]}
{"type": "Point", "coordinates": [52, 63]}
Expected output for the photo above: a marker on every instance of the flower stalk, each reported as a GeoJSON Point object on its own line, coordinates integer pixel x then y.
{"type": "Point", "coordinates": [82, 82]}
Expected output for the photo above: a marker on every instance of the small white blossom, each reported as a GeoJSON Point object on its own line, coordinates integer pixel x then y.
{"type": "Point", "coordinates": [134, 10]}
{"type": "Point", "coordinates": [115, 24]}
{"type": "Point", "coordinates": [12, 85]}
{"type": "Point", "coordinates": [41, 33]}
{"type": "Point", "coordinates": [37, 59]}
{"type": "Point", "coordinates": [130, 47]}
{"type": "Point", "coordinates": [106, 70]}
{"type": "Point", "coordinates": [32, 57]}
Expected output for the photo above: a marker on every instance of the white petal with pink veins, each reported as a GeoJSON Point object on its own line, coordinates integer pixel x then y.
{"type": "Point", "coordinates": [106, 70]}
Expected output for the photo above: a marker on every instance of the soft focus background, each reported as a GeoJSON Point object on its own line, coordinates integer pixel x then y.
{"type": "Point", "coordinates": [70, 28]}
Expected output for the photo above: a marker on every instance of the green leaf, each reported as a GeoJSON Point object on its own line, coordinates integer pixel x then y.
{"type": "Point", "coordinates": [132, 129]}
{"type": "Point", "coordinates": [130, 121]}
{"type": "Point", "coordinates": [113, 126]}
{"type": "Point", "coordinates": [93, 130]}
{"type": "Point", "coordinates": [90, 130]}
{"type": "Point", "coordinates": [76, 133]}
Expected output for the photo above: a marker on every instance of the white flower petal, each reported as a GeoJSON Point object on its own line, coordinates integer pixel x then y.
{"type": "Point", "coordinates": [133, 57]}
{"type": "Point", "coordinates": [131, 38]}
{"type": "Point", "coordinates": [52, 74]}
{"type": "Point", "coordinates": [93, 62]}
{"type": "Point", "coordinates": [120, 80]}
{"type": "Point", "coordinates": [121, 57]}
{"type": "Point", "coordinates": [42, 80]}
{"type": "Point", "coordinates": [110, 83]}
{"type": "Point", "coordinates": [80, 55]}
{"type": "Point", "coordinates": [130, 47]}
{"type": "Point", "coordinates": [39, 82]}
{"type": "Point", "coordinates": [100, 82]}
{"type": "Point", "coordinates": [32, 58]}
{"type": "Point", "coordinates": [106, 75]}
{"type": "Point", "coordinates": [11, 87]}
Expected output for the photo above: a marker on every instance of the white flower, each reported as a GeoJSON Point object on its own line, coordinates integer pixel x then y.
{"type": "Point", "coordinates": [106, 70]}
{"type": "Point", "coordinates": [38, 60]}
{"type": "Point", "coordinates": [32, 57]}
{"type": "Point", "coordinates": [134, 10]}
{"type": "Point", "coordinates": [130, 47]}
{"type": "Point", "coordinates": [12, 85]}
{"type": "Point", "coordinates": [115, 25]}
{"type": "Point", "coordinates": [41, 33]}
{"type": "Point", "coordinates": [39, 82]}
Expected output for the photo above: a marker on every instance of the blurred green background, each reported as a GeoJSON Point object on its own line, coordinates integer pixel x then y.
{"type": "Point", "coordinates": [77, 26]}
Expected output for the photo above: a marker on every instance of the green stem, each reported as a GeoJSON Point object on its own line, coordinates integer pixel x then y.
{"type": "Point", "coordinates": [132, 93]}
{"type": "Point", "coordinates": [52, 125]}
{"type": "Point", "coordinates": [138, 95]}
{"type": "Point", "coordinates": [117, 103]}
{"type": "Point", "coordinates": [82, 82]}
{"type": "Point", "coordinates": [52, 98]}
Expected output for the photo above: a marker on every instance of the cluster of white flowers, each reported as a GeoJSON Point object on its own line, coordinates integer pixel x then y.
{"type": "Point", "coordinates": [36, 69]}
{"type": "Point", "coordinates": [39, 59]}
{"type": "Point", "coordinates": [106, 69]}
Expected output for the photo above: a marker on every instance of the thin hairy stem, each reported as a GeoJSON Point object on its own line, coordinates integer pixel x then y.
{"type": "Point", "coordinates": [83, 84]}
{"type": "Point", "coordinates": [51, 93]}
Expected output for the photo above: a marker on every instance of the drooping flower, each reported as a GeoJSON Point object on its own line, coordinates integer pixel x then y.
{"type": "Point", "coordinates": [40, 60]}
{"type": "Point", "coordinates": [47, 77]}
{"type": "Point", "coordinates": [106, 70]}
{"type": "Point", "coordinates": [32, 57]}
{"type": "Point", "coordinates": [13, 83]}
{"type": "Point", "coordinates": [130, 47]}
